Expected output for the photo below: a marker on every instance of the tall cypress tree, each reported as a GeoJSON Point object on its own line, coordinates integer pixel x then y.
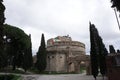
{"type": "Point", "coordinates": [30, 53]}
{"type": "Point", "coordinates": [98, 52]}
{"type": "Point", "coordinates": [27, 61]}
{"type": "Point", "coordinates": [93, 51]}
{"type": "Point", "coordinates": [41, 56]}
{"type": "Point", "coordinates": [102, 56]}
{"type": "Point", "coordinates": [2, 20]}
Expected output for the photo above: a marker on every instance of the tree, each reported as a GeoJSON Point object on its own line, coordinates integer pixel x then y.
{"type": "Point", "coordinates": [102, 56]}
{"type": "Point", "coordinates": [17, 42]}
{"type": "Point", "coordinates": [41, 56]}
{"type": "Point", "coordinates": [27, 60]}
{"type": "Point", "coordinates": [2, 20]}
{"type": "Point", "coordinates": [118, 51]}
{"type": "Point", "coordinates": [116, 3]}
{"type": "Point", "coordinates": [98, 52]}
{"type": "Point", "coordinates": [93, 51]}
{"type": "Point", "coordinates": [111, 49]}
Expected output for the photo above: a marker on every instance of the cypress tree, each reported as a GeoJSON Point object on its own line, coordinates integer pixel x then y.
{"type": "Point", "coordinates": [93, 51]}
{"type": "Point", "coordinates": [27, 61]}
{"type": "Point", "coordinates": [41, 56]}
{"type": "Point", "coordinates": [102, 56]}
{"type": "Point", "coordinates": [111, 49]}
{"type": "Point", "coordinates": [98, 52]}
{"type": "Point", "coordinates": [118, 51]}
{"type": "Point", "coordinates": [2, 20]}
{"type": "Point", "coordinates": [30, 53]}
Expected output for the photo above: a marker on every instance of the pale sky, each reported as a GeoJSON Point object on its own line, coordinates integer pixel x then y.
{"type": "Point", "coordinates": [63, 17]}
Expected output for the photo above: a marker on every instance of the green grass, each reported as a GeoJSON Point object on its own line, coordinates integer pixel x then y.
{"type": "Point", "coordinates": [12, 71]}
{"type": "Point", "coordinates": [35, 71]}
{"type": "Point", "coordinates": [82, 69]}
{"type": "Point", "coordinates": [9, 77]}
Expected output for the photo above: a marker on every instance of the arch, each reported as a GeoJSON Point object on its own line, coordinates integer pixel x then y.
{"type": "Point", "coordinates": [71, 67]}
{"type": "Point", "coordinates": [78, 61]}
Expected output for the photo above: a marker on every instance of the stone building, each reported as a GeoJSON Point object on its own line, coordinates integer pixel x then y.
{"type": "Point", "coordinates": [113, 66]}
{"type": "Point", "coordinates": [65, 55]}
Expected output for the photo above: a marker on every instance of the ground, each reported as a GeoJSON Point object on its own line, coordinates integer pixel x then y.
{"type": "Point", "coordinates": [60, 77]}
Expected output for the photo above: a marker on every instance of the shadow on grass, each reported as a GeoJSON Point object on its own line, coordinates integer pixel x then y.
{"type": "Point", "coordinates": [35, 71]}
{"type": "Point", "coordinates": [9, 77]}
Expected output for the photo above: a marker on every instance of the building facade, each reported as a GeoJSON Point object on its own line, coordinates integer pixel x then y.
{"type": "Point", "coordinates": [62, 54]}
{"type": "Point", "coordinates": [113, 66]}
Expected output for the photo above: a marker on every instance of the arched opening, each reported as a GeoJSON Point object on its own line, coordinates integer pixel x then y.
{"type": "Point", "coordinates": [82, 65]}
{"type": "Point", "coordinates": [71, 67]}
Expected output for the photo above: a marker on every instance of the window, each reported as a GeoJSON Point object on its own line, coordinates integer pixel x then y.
{"type": "Point", "coordinates": [60, 56]}
{"type": "Point", "coordinates": [52, 56]}
{"type": "Point", "coordinates": [48, 56]}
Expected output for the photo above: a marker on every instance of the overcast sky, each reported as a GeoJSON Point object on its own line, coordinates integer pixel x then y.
{"type": "Point", "coordinates": [63, 17]}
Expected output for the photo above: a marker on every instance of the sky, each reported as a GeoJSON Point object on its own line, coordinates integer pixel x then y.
{"type": "Point", "coordinates": [64, 17]}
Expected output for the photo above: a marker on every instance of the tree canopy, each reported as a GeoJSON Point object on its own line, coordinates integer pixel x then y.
{"type": "Point", "coordinates": [13, 33]}
{"type": "Point", "coordinates": [16, 45]}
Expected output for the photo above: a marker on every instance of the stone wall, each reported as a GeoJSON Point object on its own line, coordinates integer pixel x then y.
{"type": "Point", "coordinates": [56, 61]}
{"type": "Point", "coordinates": [113, 69]}
{"type": "Point", "coordinates": [60, 50]}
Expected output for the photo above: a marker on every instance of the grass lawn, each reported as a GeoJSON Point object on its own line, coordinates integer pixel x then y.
{"type": "Point", "coordinates": [35, 71]}
{"type": "Point", "coordinates": [12, 71]}
{"type": "Point", "coordinates": [9, 77]}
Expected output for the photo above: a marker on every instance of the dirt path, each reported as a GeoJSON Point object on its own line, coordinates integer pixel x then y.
{"type": "Point", "coordinates": [60, 77]}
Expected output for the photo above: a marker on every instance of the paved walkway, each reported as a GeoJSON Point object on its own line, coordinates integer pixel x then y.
{"type": "Point", "coordinates": [60, 77]}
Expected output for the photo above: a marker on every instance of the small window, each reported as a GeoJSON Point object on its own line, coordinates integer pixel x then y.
{"type": "Point", "coordinates": [48, 56]}
{"type": "Point", "coordinates": [52, 56]}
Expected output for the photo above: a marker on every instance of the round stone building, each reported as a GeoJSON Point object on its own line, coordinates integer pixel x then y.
{"type": "Point", "coordinates": [62, 53]}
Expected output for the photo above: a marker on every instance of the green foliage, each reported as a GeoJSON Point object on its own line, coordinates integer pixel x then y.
{"type": "Point", "coordinates": [98, 52]}
{"type": "Point", "coordinates": [116, 3]}
{"type": "Point", "coordinates": [9, 70]}
{"type": "Point", "coordinates": [28, 57]}
{"type": "Point", "coordinates": [94, 50]}
{"type": "Point", "coordinates": [118, 51]}
{"type": "Point", "coordinates": [9, 77]}
{"type": "Point", "coordinates": [41, 56]}
{"type": "Point", "coordinates": [2, 19]}
{"type": "Point", "coordinates": [35, 71]}
{"type": "Point", "coordinates": [17, 36]}
{"type": "Point", "coordinates": [82, 69]}
{"type": "Point", "coordinates": [111, 49]}
{"type": "Point", "coordinates": [102, 56]}
{"type": "Point", "coordinates": [17, 46]}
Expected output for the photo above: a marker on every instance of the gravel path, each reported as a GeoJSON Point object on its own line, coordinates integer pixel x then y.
{"type": "Point", "coordinates": [60, 77]}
